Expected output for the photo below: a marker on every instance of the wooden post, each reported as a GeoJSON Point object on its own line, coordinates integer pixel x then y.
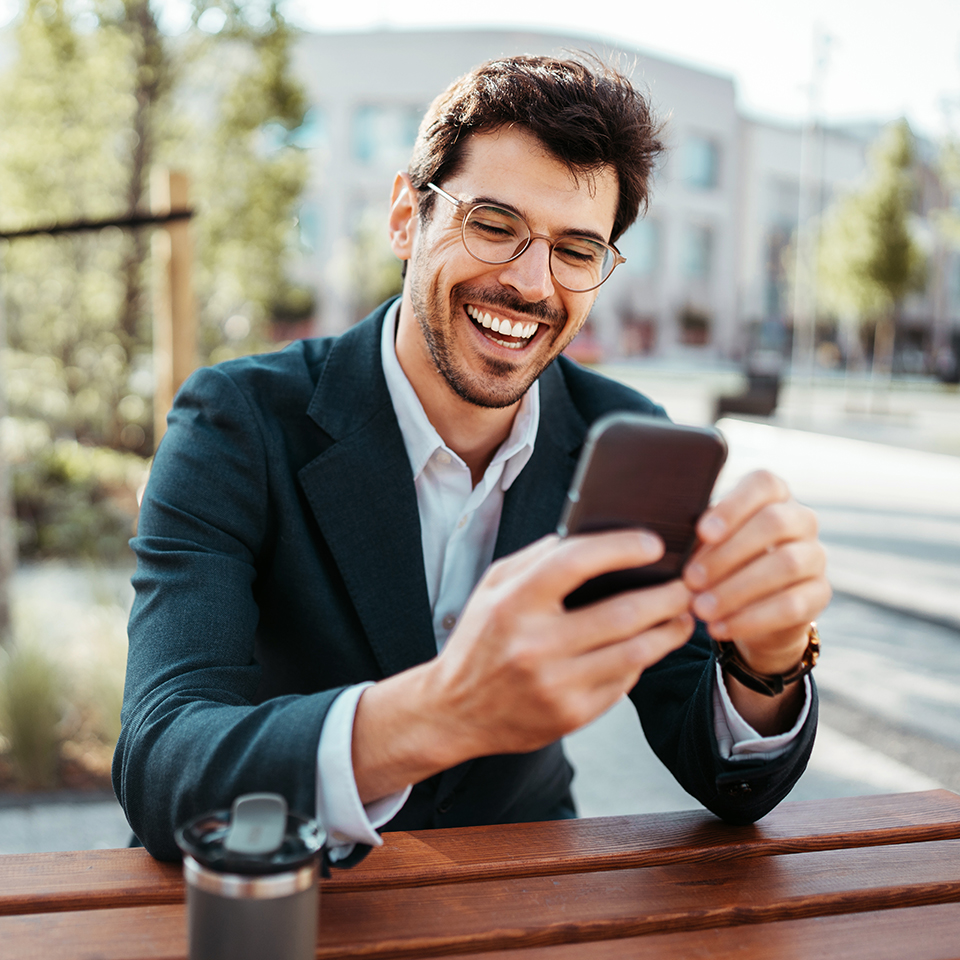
{"type": "Point", "coordinates": [8, 525]}
{"type": "Point", "coordinates": [174, 311]}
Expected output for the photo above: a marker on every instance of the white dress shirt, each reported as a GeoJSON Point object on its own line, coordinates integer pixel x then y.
{"type": "Point", "coordinates": [459, 524]}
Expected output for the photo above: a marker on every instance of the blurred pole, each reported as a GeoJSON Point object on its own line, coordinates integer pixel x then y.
{"type": "Point", "coordinates": [174, 310]}
{"type": "Point", "coordinates": [808, 225]}
{"type": "Point", "coordinates": [8, 524]}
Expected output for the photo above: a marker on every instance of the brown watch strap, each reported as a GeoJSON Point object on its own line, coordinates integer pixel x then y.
{"type": "Point", "coordinates": [768, 684]}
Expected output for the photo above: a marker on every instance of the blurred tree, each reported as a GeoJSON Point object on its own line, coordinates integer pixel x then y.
{"type": "Point", "coordinates": [868, 258]}
{"type": "Point", "coordinates": [69, 127]}
{"type": "Point", "coordinates": [95, 97]}
{"type": "Point", "coordinates": [249, 174]}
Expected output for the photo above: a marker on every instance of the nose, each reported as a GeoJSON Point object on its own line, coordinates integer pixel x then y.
{"type": "Point", "coordinates": [530, 273]}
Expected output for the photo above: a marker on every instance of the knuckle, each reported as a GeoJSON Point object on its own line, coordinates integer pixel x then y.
{"type": "Point", "coordinates": [793, 561]}
{"type": "Point", "coordinates": [795, 607]}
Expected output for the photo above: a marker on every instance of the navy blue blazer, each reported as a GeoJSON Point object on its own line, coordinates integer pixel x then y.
{"type": "Point", "coordinates": [279, 560]}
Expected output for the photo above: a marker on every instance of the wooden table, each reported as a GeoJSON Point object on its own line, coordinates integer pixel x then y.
{"type": "Point", "coordinates": [868, 877]}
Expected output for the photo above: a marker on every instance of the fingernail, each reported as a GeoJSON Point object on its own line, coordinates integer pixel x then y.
{"type": "Point", "coordinates": [713, 527]}
{"type": "Point", "coordinates": [704, 605]}
{"type": "Point", "coordinates": [649, 542]}
{"type": "Point", "coordinates": [696, 574]}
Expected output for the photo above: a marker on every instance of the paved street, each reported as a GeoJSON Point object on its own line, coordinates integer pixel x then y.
{"type": "Point", "coordinates": [890, 672]}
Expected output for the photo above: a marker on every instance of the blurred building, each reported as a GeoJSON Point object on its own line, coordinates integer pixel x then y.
{"type": "Point", "coordinates": [705, 273]}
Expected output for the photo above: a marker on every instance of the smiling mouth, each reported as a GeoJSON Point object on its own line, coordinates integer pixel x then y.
{"type": "Point", "coordinates": [514, 335]}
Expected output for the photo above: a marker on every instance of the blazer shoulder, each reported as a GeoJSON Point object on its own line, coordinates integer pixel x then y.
{"type": "Point", "coordinates": [595, 395]}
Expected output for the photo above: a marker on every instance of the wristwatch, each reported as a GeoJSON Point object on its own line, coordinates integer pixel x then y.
{"type": "Point", "coordinates": [769, 684]}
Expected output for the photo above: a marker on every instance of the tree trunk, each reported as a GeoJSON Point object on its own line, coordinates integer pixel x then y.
{"type": "Point", "coordinates": [883, 340]}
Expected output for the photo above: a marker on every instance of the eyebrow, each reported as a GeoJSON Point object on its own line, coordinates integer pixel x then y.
{"type": "Point", "coordinates": [572, 231]}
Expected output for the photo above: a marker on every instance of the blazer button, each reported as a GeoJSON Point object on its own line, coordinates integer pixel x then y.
{"type": "Point", "coordinates": [445, 805]}
{"type": "Point", "coordinates": [741, 789]}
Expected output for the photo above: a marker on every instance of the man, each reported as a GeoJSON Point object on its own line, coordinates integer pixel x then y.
{"type": "Point", "coordinates": [319, 523]}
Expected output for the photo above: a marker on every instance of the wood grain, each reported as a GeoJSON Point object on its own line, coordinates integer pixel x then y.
{"type": "Point", "coordinates": [86, 880]}
{"type": "Point", "coordinates": [428, 857]}
{"type": "Point", "coordinates": [517, 913]}
{"type": "Point", "coordinates": [528, 911]}
{"type": "Point", "coordinates": [914, 933]}
{"type": "Point", "coordinates": [95, 879]}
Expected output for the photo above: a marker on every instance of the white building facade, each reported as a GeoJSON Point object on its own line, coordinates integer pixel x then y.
{"type": "Point", "coordinates": [704, 267]}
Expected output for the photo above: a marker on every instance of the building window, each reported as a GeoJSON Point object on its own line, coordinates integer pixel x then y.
{"type": "Point", "coordinates": [309, 226]}
{"type": "Point", "coordinates": [641, 246]}
{"type": "Point", "coordinates": [698, 252]}
{"type": "Point", "coordinates": [701, 163]}
{"type": "Point", "coordinates": [384, 134]}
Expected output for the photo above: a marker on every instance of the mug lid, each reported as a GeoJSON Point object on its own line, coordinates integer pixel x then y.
{"type": "Point", "coordinates": [257, 836]}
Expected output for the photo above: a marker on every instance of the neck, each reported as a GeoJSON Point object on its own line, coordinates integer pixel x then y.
{"type": "Point", "coordinates": [473, 432]}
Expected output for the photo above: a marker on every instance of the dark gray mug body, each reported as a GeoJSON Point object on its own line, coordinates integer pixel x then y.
{"type": "Point", "coordinates": [245, 917]}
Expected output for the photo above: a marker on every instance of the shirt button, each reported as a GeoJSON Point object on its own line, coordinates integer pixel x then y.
{"type": "Point", "coordinates": [462, 523]}
{"type": "Point", "coordinates": [448, 622]}
{"type": "Point", "coordinates": [443, 456]}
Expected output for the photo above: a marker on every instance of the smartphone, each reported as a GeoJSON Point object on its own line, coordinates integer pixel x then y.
{"type": "Point", "coordinates": [639, 471]}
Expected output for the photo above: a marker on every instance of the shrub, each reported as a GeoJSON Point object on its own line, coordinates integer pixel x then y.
{"type": "Point", "coordinates": [71, 500]}
{"type": "Point", "coordinates": [31, 708]}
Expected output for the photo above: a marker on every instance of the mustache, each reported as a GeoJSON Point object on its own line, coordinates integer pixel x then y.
{"type": "Point", "coordinates": [501, 297]}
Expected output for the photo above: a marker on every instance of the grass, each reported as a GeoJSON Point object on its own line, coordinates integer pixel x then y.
{"type": "Point", "coordinates": [31, 709]}
{"type": "Point", "coordinates": [61, 682]}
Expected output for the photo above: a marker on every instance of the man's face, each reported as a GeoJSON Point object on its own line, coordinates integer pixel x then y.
{"type": "Point", "coordinates": [451, 293]}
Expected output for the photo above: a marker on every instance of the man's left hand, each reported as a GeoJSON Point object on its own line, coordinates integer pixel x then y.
{"type": "Point", "coordinates": [758, 576]}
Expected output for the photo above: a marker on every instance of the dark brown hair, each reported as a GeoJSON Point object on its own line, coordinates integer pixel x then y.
{"type": "Point", "coordinates": [588, 117]}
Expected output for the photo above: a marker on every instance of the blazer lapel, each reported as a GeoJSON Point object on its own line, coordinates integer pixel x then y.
{"type": "Point", "coordinates": [534, 502]}
{"type": "Point", "coordinates": [362, 494]}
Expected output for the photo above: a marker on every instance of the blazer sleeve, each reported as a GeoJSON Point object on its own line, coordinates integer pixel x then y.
{"type": "Point", "coordinates": [674, 700]}
{"type": "Point", "coordinates": [193, 736]}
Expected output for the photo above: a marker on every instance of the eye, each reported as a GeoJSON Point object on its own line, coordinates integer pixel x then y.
{"type": "Point", "coordinates": [494, 224]}
{"type": "Point", "coordinates": [578, 251]}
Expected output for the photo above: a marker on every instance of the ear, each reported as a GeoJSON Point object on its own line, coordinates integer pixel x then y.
{"type": "Point", "coordinates": [403, 222]}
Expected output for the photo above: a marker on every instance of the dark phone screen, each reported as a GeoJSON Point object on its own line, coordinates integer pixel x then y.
{"type": "Point", "coordinates": [638, 471]}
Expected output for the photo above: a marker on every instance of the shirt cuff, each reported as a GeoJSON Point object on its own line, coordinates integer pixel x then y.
{"type": "Point", "coordinates": [346, 820]}
{"type": "Point", "coordinates": [737, 740]}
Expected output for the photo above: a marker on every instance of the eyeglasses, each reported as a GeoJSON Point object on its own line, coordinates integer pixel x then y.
{"type": "Point", "coordinates": [493, 234]}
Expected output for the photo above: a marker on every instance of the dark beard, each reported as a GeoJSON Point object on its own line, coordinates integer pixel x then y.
{"type": "Point", "coordinates": [498, 371]}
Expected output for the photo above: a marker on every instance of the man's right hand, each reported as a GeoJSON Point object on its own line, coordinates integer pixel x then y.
{"type": "Point", "coordinates": [520, 670]}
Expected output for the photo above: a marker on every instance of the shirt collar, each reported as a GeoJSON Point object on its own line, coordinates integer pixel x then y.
{"type": "Point", "coordinates": [420, 436]}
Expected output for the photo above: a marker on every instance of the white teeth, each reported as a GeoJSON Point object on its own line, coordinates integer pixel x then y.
{"type": "Point", "coordinates": [523, 331]}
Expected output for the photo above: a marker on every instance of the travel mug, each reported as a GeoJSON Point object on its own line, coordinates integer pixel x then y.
{"type": "Point", "coordinates": [251, 875]}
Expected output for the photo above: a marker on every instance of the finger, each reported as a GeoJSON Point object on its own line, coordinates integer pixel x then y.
{"type": "Point", "coordinates": [752, 493]}
{"type": "Point", "coordinates": [623, 616]}
{"type": "Point", "coordinates": [558, 566]}
{"type": "Point", "coordinates": [603, 676]}
{"type": "Point", "coordinates": [784, 610]}
{"type": "Point", "coordinates": [773, 525]}
{"type": "Point", "coordinates": [773, 570]}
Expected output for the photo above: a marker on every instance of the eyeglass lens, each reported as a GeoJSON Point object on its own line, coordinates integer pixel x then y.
{"type": "Point", "coordinates": [495, 235]}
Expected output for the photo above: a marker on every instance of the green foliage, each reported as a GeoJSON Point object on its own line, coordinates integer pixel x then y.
{"type": "Point", "coordinates": [249, 175]}
{"type": "Point", "coordinates": [31, 708]}
{"type": "Point", "coordinates": [71, 500]}
{"type": "Point", "coordinates": [948, 219]}
{"type": "Point", "coordinates": [68, 122]}
{"type": "Point", "coordinates": [868, 258]}
{"type": "Point", "coordinates": [86, 109]}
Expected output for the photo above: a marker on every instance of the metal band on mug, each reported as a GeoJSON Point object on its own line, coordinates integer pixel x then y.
{"type": "Point", "coordinates": [239, 887]}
